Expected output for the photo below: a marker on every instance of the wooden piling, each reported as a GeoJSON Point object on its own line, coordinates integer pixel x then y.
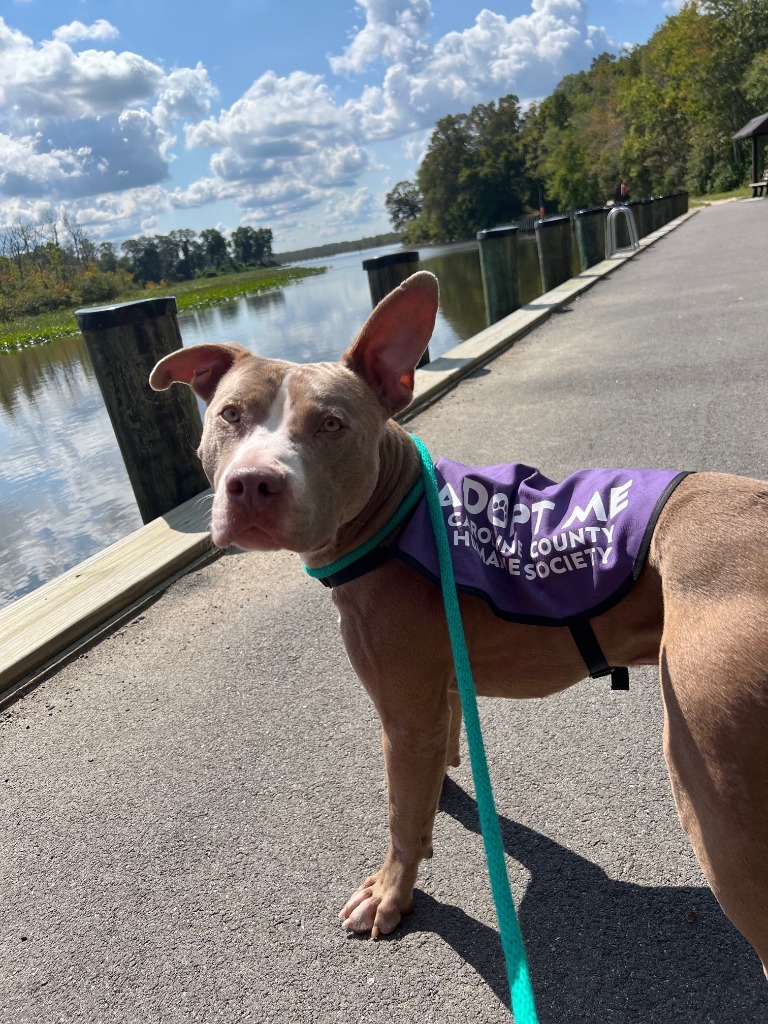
{"type": "Point", "coordinates": [658, 212]}
{"type": "Point", "coordinates": [646, 216]}
{"type": "Point", "coordinates": [663, 215]}
{"type": "Point", "coordinates": [635, 208]}
{"type": "Point", "coordinates": [553, 241]}
{"type": "Point", "coordinates": [590, 235]}
{"type": "Point", "coordinates": [385, 273]}
{"type": "Point", "coordinates": [158, 434]}
{"type": "Point", "coordinates": [498, 265]}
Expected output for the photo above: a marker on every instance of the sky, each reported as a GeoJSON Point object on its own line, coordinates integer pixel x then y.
{"type": "Point", "coordinates": [142, 116]}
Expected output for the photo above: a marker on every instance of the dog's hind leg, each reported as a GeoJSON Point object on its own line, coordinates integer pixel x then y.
{"type": "Point", "coordinates": [714, 677]}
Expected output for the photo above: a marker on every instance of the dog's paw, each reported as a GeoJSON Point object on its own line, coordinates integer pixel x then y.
{"type": "Point", "coordinates": [375, 907]}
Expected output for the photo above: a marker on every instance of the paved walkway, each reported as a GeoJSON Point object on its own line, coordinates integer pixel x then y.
{"type": "Point", "coordinates": [187, 806]}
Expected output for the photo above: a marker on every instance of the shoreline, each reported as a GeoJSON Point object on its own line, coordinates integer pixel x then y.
{"type": "Point", "coordinates": [44, 328]}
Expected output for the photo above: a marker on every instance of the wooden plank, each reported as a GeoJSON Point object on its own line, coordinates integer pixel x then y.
{"type": "Point", "coordinates": [37, 627]}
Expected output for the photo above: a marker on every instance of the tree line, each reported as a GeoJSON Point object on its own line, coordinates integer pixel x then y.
{"type": "Point", "coordinates": [54, 265]}
{"type": "Point", "coordinates": [659, 116]}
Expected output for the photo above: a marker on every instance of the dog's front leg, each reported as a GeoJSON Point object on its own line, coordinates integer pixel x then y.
{"type": "Point", "coordinates": [415, 759]}
{"type": "Point", "coordinates": [400, 650]}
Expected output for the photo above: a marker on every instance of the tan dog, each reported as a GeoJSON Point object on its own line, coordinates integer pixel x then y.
{"type": "Point", "coordinates": [306, 457]}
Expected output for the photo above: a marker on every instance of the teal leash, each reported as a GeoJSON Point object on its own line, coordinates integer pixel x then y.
{"type": "Point", "coordinates": [521, 992]}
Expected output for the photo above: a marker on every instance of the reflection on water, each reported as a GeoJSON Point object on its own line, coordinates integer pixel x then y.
{"type": "Point", "coordinates": [23, 373]}
{"type": "Point", "coordinates": [315, 319]}
{"type": "Point", "coordinates": [64, 493]}
{"type": "Point", "coordinates": [461, 290]}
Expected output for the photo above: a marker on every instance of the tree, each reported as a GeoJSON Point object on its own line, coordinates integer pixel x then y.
{"type": "Point", "coordinates": [252, 247]}
{"type": "Point", "coordinates": [755, 81]}
{"type": "Point", "coordinates": [190, 257]}
{"type": "Point", "coordinates": [215, 251]}
{"type": "Point", "coordinates": [266, 239]}
{"type": "Point", "coordinates": [573, 139]}
{"type": "Point", "coordinates": [439, 177]}
{"type": "Point", "coordinates": [17, 243]}
{"type": "Point", "coordinates": [691, 90]}
{"type": "Point", "coordinates": [143, 258]}
{"type": "Point", "coordinates": [403, 204]}
{"type": "Point", "coordinates": [80, 248]}
{"type": "Point", "coordinates": [107, 258]}
{"type": "Point", "coordinates": [495, 178]}
{"type": "Point", "coordinates": [473, 175]}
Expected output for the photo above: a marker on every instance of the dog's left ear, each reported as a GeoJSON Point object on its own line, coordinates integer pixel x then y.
{"type": "Point", "coordinates": [389, 346]}
{"type": "Point", "coordinates": [200, 366]}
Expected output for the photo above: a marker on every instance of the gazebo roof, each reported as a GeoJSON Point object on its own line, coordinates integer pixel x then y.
{"type": "Point", "coordinates": [757, 126]}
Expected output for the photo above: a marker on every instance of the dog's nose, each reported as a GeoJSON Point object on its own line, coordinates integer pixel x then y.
{"type": "Point", "coordinates": [253, 486]}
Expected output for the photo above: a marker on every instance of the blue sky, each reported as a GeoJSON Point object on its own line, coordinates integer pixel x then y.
{"type": "Point", "coordinates": [138, 117]}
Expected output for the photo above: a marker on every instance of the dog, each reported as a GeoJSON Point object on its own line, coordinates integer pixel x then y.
{"type": "Point", "coordinates": [308, 458]}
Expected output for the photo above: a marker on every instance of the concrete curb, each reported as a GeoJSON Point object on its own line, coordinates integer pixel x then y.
{"type": "Point", "coordinates": [54, 622]}
{"type": "Point", "coordinates": [57, 621]}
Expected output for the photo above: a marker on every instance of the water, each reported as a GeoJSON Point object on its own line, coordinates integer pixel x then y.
{"type": "Point", "coordinates": [64, 492]}
{"type": "Point", "coordinates": [316, 319]}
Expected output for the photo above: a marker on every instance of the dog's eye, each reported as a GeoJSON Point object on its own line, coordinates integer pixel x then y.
{"type": "Point", "coordinates": [331, 424]}
{"type": "Point", "coordinates": [230, 414]}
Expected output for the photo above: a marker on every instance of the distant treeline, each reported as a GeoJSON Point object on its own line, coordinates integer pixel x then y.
{"type": "Point", "coordinates": [659, 116]}
{"type": "Point", "coordinates": [334, 248]}
{"type": "Point", "coordinates": [54, 265]}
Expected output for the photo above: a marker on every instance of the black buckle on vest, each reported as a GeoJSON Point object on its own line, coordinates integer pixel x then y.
{"type": "Point", "coordinates": [593, 656]}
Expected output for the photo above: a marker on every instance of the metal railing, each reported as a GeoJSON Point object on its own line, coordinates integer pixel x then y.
{"type": "Point", "coordinates": [611, 233]}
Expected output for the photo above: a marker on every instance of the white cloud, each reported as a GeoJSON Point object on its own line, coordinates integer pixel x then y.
{"type": "Point", "coordinates": [284, 142]}
{"type": "Point", "coordinates": [394, 31]}
{"type": "Point", "coordinates": [102, 129]}
{"type": "Point", "coordinates": [77, 124]}
{"type": "Point", "coordinates": [289, 135]}
{"type": "Point", "coordinates": [415, 146]}
{"type": "Point", "coordinates": [84, 157]}
{"type": "Point", "coordinates": [76, 30]}
{"type": "Point", "coordinates": [526, 55]}
{"type": "Point", "coordinates": [26, 171]}
{"type": "Point", "coordinates": [186, 94]}
{"type": "Point", "coordinates": [349, 208]}
{"type": "Point", "coordinates": [276, 110]}
{"type": "Point", "coordinates": [119, 214]}
{"type": "Point", "coordinates": [52, 80]}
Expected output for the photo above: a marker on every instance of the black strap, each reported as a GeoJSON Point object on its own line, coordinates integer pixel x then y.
{"type": "Point", "coordinates": [581, 631]}
{"type": "Point", "coordinates": [594, 658]}
{"type": "Point", "coordinates": [367, 563]}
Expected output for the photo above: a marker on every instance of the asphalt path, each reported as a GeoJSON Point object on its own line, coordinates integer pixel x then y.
{"type": "Point", "coordinates": [187, 805]}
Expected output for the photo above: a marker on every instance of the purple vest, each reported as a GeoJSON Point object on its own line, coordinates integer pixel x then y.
{"type": "Point", "coordinates": [538, 551]}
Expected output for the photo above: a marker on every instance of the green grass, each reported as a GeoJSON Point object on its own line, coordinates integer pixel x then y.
{"type": "Point", "coordinates": [199, 294]}
{"type": "Point", "coordinates": [736, 193]}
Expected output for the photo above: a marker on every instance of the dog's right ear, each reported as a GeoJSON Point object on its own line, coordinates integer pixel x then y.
{"type": "Point", "coordinates": [200, 366]}
{"type": "Point", "coordinates": [387, 349]}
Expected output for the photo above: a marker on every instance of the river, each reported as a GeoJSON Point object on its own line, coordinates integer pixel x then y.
{"type": "Point", "coordinates": [64, 492]}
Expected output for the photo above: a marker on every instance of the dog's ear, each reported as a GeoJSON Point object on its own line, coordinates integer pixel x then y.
{"type": "Point", "coordinates": [200, 366]}
{"type": "Point", "coordinates": [387, 349]}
